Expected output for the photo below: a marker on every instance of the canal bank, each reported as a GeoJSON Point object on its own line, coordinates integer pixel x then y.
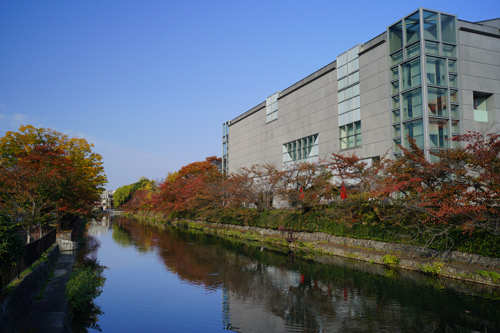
{"type": "Point", "coordinates": [37, 303]}
{"type": "Point", "coordinates": [449, 264]}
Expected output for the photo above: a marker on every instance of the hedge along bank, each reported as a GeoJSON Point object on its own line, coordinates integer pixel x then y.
{"type": "Point", "coordinates": [451, 264]}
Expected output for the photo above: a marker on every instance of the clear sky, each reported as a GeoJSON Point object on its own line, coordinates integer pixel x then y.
{"type": "Point", "coordinates": [150, 83]}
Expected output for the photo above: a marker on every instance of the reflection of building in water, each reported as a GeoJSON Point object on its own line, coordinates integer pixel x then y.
{"type": "Point", "coordinates": [275, 299]}
{"type": "Point", "coordinates": [99, 226]}
{"type": "Point", "coordinates": [107, 200]}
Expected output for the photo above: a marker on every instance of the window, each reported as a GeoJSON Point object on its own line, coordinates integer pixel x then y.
{"type": "Point", "coordinates": [448, 29]}
{"type": "Point", "coordinates": [430, 25]}
{"type": "Point", "coordinates": [412, 25]}
{"type": "Point", "coordinates": [301, 150]}
{"type": "Point", "coordinates": [350, 135]}
{"type": "Point", "coordinates": [412, 104]}
{"type": "Point", "coordinates": [415, 130]}
{"type": "Point", "coordinates": [411, 74]}
{"type": "Point", "coordinates": [437, 102]}
{"type": "Point", "coordinates": [436, 71]}
{"type": "Point", "coordinates": [481, 106]}
{"type": "Point", "coordinates": [272, 107]}
{"type": "Point", "coordinates": [438, 133]}
{"type": "Point", "coordinates": [396, 37]}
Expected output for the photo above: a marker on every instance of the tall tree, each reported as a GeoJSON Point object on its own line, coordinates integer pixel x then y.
{"type": "Point", "coordinates": [45, 175]}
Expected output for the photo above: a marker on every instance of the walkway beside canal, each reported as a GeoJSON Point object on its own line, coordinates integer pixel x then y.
{"type": "Point", "coordinates": [50, 314]}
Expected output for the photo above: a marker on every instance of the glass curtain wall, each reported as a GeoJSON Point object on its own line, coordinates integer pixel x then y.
{"type": "Point", "coordinates": [424, 80]}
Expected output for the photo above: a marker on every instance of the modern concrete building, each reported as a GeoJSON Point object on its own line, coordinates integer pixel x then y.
{"type": "Point", "coordinates": [429, 75]}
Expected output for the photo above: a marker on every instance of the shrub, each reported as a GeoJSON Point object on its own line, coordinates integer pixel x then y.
{"type": "Point", "coordinates": [85, 284]}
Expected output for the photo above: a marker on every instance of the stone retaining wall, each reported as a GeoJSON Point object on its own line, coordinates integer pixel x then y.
{"type": "Point", "coordinates": [455, 256]}
{"type": "Point", "coordinates": [19, 303]}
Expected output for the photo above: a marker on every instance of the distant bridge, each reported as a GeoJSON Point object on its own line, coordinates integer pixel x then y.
{"type": "Point", "coordinates": [114, 212]}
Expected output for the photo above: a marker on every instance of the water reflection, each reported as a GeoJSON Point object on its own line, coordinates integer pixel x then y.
{"type": "Point", "coordinates": [266, 291]}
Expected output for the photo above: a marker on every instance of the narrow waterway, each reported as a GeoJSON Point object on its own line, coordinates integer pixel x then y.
{"type": "Point", "coordinates": [173, 280]}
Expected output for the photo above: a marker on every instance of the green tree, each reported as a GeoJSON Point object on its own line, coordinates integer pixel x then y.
{"type": "Point", "coordinates": [11, 244]}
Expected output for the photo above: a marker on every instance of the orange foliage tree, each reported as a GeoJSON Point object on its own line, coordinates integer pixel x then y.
{"type": "Point", "coordinates": [45, 175]}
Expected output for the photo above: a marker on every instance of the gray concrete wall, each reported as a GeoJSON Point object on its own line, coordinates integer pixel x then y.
{"type": "Point", "coordinates": [479, 68]}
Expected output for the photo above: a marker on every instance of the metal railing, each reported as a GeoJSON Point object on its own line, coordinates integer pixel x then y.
{"type": "Point", "coordinates": [32, 252]}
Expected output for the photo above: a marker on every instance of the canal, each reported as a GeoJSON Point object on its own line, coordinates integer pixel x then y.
{"type": "Point", "coordinates": [173, 280]}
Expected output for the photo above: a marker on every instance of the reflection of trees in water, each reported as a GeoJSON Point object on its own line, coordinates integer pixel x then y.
{"type": "Point", "coordinates": [304, 294]}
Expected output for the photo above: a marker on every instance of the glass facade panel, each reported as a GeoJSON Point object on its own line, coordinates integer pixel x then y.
{"type": "Point", "coordinates": [438, 133]}
{"type": "Point", "coordinates": [453, 96]}
{"type": "Point", "coordinates": [394, 73]}
{"type": "Point", "coordinates": [436, 71]}
{"type": "Point", "coordinates": [412, 25]}
{"type": "Point", "coordinates": [437, 102]}
{"type": "Point", "coordinates": [454, 111]}
{"type": "Point", "coordinates": [396, 116]}
{"type": "Point", "coordinates": [449, 51]}
{"type": "Point", "coordinates": [453, 81]}
{"type": "Point", "coordinates": [455, 127]}
{"type": "Point", "coordinates": [411, 74]}
{"type": "Point", "coordinates": [412, 104]}
{"type": "Point", "coordinates": [452, 66]}
{"type": "Point", "coordinates": [396, 131]}
{"type": "Point", "coordinates": [396, 37]}
{"type": "Point", "coordinates": [394, 87]}
{"type": "Point", "coordinates": [431, 47]}
{"type": "Point", "coordinates": [396, 146]}
{"type": "Point", "coordinates": [448, 29]}
{"type": "Point", "coordinates": [395, 101]}
{"type": "Point", "coordinates": [396, 58]}
{"type": "Point", "coordinates": [430, 25]}
{"type": "Point", "coordinates": [413, 50]}
{"type": "Point", "coordinates": [415, 130]}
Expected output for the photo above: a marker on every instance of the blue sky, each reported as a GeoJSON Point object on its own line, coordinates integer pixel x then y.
{"type": "Point", "coordinates": [150, 83]}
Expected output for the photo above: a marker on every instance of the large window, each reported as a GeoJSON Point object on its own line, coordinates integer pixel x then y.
{"type": "Point", "coordinates": [301, 150]}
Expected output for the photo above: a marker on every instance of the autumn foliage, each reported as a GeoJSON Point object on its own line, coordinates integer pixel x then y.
{"type": "Point", "coordinates": [47, 176]}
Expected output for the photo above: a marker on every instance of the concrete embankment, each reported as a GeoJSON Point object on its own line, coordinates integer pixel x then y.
{"type": "Point", "coordinates": [21, 311]}
{"type": "Point", "coordinates": [450, 264]}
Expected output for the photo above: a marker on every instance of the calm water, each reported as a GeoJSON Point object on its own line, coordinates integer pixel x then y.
{"type": "Point", "coordinates": [174, 281]}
